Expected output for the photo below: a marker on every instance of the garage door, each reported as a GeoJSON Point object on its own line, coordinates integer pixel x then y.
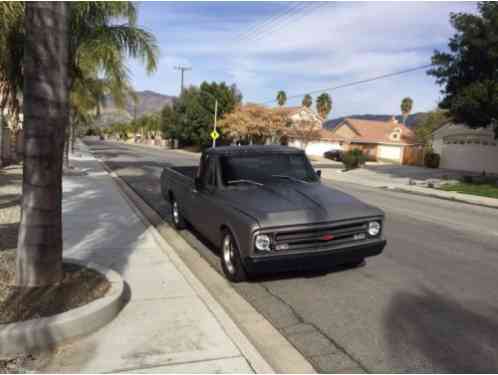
{"type": "Point", "coordinates": [390, 153]}
{"type": "Point", "coordinates": [470, 157]}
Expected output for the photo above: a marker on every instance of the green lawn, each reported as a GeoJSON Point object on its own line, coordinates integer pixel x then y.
{"type": "Point", "coordinates": [484, 190]}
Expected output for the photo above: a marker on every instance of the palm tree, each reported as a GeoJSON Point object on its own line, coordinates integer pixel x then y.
{"type": "Point", "coordinates": [281, 98]}
{"type": "Point", "coordinates": [307, 101]}
{"type": "Point", "coordinates": [86, 43]}
{"type": "Point", "coordinates": [406, 107]}
{"type": "Point", "coordinates": [39, 252]}
{"type": "Point", "coordinates": [324, 105]}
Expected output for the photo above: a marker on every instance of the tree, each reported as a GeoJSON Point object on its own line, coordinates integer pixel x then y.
{"type": "Point", "coordinates": [324, 105]}
{"type": "Point", "coordinates": [428, 123]}
{"type": "Point", "coordinates": [194, 111]}
{"type": "Point", "coordinates": [307, 101]}
{"type": "Point", "coordinates": [46, 110]}
{"type": "Point", "coordinates": [102, 34]}
{"type": "Point", "coordinates": [92, 44]}
{"type": "Point", "coordinates": [255, 122]}
{"type": "Point", "coordinates": [406, 108]}
{"type": "Point", "coordinates": [168, 121]}
{"type": "Point", "coordinates": [277, 122]}
{"type": "Point", "coordinates": [468, 71]}
{"type": "Point", "coordinates": [281, 98]}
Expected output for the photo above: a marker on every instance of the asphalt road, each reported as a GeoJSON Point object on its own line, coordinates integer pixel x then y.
{"type": "Point", "coordinates": [428, 303]}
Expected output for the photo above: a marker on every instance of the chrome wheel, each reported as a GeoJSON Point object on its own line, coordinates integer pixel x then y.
{"type": "Point", "coordinates": [228, 254]}
{"type": "Point", "coordinates": [176, 213]}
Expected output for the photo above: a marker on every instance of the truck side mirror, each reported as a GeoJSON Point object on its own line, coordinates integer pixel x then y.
{"type": "Point", "coordinates": [318, 173]}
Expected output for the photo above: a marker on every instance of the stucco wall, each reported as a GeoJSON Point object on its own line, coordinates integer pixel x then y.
{"type": "Point", "coordinates": [470, 157]}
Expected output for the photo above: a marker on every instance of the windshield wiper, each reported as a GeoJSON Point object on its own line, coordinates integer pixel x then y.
{"type": "Point", "coordinates": [289, 178]}
{"type": "Point", "coordinates": [242, 181]}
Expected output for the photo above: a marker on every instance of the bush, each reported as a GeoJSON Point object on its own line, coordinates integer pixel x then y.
{"type": "Point", "coordinates": [353, 159]}
{"type": "Point", "coordinates": [431, 160]}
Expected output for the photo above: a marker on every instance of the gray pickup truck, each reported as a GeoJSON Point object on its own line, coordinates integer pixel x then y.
{"type": "Point", "coordinates": [266, 209]}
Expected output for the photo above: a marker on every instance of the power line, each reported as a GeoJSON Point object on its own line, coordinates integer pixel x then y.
{"type": "Point", "coordinates": [284, 22]}
{"type": "Point", "coordinates": [354, 83]}
{"type": "Point", "coordinates": [257, 27]}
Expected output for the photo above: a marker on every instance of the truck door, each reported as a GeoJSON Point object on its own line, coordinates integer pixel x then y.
{"type": "Point", "coordinates": [204, 204]}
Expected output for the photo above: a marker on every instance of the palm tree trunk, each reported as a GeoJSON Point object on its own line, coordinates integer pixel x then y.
{"type": "Point", "coordinates": [66, 147]}
{"type": "Point", "coordinates": [46, 113]}
{"type": "Point", "coordinates": [71, 137]}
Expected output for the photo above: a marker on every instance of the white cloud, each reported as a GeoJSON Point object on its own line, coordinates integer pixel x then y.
{"type": "Point", "coordinates": [331, 45]}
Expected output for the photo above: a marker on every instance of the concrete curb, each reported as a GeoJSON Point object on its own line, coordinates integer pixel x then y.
{"type": "Point", "coordinates": [24, 337]}
{"type": "Point", "coordinates": [262, 345]}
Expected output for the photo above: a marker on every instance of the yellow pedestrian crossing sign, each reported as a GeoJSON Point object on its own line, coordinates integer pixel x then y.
{"type": "Point", "coordinates": [215, 135]}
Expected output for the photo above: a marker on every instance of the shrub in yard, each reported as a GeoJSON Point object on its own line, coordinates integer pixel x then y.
{"type": "Point", "coordinates": [431, 160]}
{"type": "Point", "coordinates": [353, 159]}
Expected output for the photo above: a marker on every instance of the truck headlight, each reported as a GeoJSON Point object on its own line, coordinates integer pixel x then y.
{"type": "Point", "coordinates": [262, 242]}
{"type": "Point", "coordinates": [373, 228]}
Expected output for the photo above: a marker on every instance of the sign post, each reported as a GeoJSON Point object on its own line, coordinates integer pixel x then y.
{"type": "Point", "coordinates": [214, 134]}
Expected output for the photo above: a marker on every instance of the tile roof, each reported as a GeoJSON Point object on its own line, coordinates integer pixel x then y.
{"type": "Point", "coordinates": [370, 131]}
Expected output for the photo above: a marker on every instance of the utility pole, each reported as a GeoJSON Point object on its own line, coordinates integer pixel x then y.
{"type": "Point", "coordinates": [182, 70]}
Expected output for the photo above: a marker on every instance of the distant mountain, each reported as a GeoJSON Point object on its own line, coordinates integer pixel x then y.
{"type": "Point", "coordinates": [148, 102]}
{"type": "Point", "coordinates": [410, 120]}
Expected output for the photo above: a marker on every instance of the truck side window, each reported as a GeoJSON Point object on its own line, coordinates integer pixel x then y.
{"type": "Point", "coordinates": [210, 174]}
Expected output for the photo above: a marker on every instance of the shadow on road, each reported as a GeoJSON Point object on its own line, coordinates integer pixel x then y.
{"type": "Point", "coordinates": [448, 335]}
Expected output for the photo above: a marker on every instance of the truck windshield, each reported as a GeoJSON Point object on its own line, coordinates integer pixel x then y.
{"type": "Point", "coordinates": [266, 167]}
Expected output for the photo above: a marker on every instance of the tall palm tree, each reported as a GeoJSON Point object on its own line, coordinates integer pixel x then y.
{"type": "Point", "coordinates": [46, 104]}
{"type": "Point", "coordinates": [307, 101]}
{"type": "Point", "coordinates": [406, 107]}
{"type": "Point", "coordinates": [324, 105]}
{"type": "Point", "coordinates": [93, 44]}
{"type": "Point", "coordinates": [281, 98]}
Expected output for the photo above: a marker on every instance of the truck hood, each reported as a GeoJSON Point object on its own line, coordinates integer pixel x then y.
{"type": "Point", "coordinates": [289, 203]}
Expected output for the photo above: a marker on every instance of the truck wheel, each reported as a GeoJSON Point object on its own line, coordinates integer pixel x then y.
{"type": "Point", "coordinates": [231, 262]}
{"type": "Point", "coordinates": [176, 215]}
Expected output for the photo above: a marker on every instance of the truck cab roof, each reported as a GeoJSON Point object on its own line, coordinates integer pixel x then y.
{"type": "Point", "coordinates": [257, 149]}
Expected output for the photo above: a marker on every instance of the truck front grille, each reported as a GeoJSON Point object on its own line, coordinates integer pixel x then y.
{"type": "Point", "coordinates": [320, 238]}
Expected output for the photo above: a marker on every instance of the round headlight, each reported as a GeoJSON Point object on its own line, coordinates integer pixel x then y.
{"type": "Point", "coordinates": [373, 228]}
{"type": "Point", "coordinates": [262, 242]}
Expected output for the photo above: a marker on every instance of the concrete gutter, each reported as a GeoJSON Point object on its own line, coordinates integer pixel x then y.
{"type": "Point", "coordinates": [43, 333]}
{"type": "Point", "coordinates": [260, 343]}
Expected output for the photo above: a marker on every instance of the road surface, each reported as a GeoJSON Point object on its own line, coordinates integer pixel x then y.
{"type": "Point", "coordinates": [428, 303]}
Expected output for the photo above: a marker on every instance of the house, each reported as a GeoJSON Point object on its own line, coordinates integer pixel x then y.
{"type": "Point", "coordinates": [322, 139]}
{"type": "Point", "coordinates": [379, 140]}
{"type": "Point", "coordinates": [466, 149]}
{"type": "Point", "coordinates": [388, 140]}
{"type": "Point", "coordinates": [302, 113]}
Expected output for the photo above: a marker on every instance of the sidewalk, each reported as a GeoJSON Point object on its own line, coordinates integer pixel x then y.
{"type": "Point", "coordinates": [166, 325]}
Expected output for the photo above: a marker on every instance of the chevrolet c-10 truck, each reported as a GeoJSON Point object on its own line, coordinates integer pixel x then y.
{"type": "Point", "coordinates": [266, 209]}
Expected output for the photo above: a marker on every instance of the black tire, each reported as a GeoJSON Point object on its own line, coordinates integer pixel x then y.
{"type": "Point", "coordinates": [231, 262]}
{"type": "Point", "coordinates": [176, 215]}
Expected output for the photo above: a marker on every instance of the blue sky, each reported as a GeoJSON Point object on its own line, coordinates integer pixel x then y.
{"type": "Point", "coordinates": [264, 47]}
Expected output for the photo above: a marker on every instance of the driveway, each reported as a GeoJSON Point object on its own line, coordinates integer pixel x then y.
{"type": "Point", "coordinates": [385, 174]}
